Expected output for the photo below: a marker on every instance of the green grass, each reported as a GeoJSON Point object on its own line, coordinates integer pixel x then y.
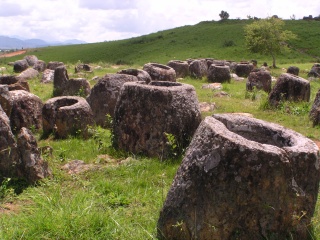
{"type": "Point", "coordinates": [206, 39]}
{"type": "Point", "coordinates": [122, 198]}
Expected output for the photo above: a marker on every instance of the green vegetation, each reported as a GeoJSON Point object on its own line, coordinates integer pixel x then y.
{"type": "Point", "coordinates": [267, 36]}
{"type": "Point", "coordinates": [199, 41]}
{"type": "Point", "coordinates": [120, 198]}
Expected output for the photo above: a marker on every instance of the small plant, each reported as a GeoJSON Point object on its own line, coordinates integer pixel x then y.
{"type": "Point", "coordinates": [172, 143]}
{"type": "Point", "coordinates": [4, 189]}
{"type": "Point", "coordinates": [81, 92]}
{"type": "Point", "coordinates": [228, 43]}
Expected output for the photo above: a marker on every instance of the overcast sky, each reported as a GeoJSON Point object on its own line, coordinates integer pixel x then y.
{"type": "Point", "coordinates": [105, 20]}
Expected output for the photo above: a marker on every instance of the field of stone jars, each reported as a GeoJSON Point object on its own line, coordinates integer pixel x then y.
{"type": "Point", "coordinates": [191, 149]}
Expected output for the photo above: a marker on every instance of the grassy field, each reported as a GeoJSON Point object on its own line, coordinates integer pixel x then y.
{"type": "Point", "coordinates": [120, 198]}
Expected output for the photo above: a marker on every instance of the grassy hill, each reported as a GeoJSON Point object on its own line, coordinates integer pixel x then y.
{"type": "Point", "coordinates": [216, 39]}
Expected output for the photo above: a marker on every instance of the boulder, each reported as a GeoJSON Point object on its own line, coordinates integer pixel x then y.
{"type": "Point", "coordinates": [31, 59]}
{"type": "Point", "coordinates": [293, 70]}
{"type": "Point", "coordinates": [6, 102]}
{"type": "Point", "coordinates": [291, 88]}
{"type": "Point", "coordinates": [54, 64]}
{"type": "Point", "coordinates": [181, 68]}
{"type": "Point", "coordinates": [8, 146]}
{"type": "Point", "coordinates": [26, 110]}
{"type": "Point", "coordinates": [83, 68]}
{"type": "Point", "coordinates": [259, 79]}
{"type": "Point", "coordinates": [32, 167]}
{"type": "Point", "coordinates": [219, 73]}
{"type": "Point", "coordinates": [67, 115]}
{"type": "Point", "coordinates": [28, 74]}
{"type": "Point", "coordinates": [47, 76]}
{"type": "Point", "coordinates": [20, 65]}
{"type": "Point", "coordinates": [198, 68]}
{"type": "Point", "coordinates": [243, 69]}
{"type": "Point", "coordinates": [315, 71]}
{"type": "Point", "coordinates": [156, 119]}
{"type": "Point", "coordinates": [63, 86]}
{"type": "Point", "coordinates": [159, 72]}
{"type": "Point", "coordinates": [315, 110]}
{"type": "Point", "coordinates": [104, 95]}
{"type": "Point", "coordinates": [14, 83]}
{"type": "Point", "coordinates": [242, 178]}
{"type": "Point", "coordinates": [140, 74]}
{"type": "Point", "coordinates": [20, 159]}
{"type": "Point", "coordinates": [40, 66]}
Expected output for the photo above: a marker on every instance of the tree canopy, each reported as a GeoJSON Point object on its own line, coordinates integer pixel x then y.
{"type": "Point", "coordinates": [267, 36]}
{"type": "Point", "coordinates": [224, 15]}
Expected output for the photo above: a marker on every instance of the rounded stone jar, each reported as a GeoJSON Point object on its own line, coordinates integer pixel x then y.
{"type": "Point", "coordinates": [156, 119]}
{"type": "Point", "coordinates": [242, 178]}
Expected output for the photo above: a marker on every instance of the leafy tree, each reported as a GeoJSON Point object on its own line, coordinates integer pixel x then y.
{"type": "Point", "coordinates": [224, 15]}
{"type": "Point", "coordinates": [266, 36]}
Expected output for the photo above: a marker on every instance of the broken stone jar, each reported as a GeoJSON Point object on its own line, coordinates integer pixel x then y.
{"type": "Point", "coordinates": [242, 178]}
{"type": "Point", "coordinates": [156, 119]}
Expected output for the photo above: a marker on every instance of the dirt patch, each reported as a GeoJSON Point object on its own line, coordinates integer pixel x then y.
{"type": "Point", "coordinates": [11, 54]}
{"type": "Point", "coordinates": [7, 208]}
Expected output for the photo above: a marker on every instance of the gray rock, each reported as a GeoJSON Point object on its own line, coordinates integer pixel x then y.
{"type": "Point", "coordinates": [104, 95]}
{"type": "Point", "coordinates": [242, 178]}
{"type": "Point", "coordinates": [54, 64]}
{"type": "Point", "coordinates": [156, 119]}
{"type": "Point", "coordinates": [181, 68]}
{"type": "Point", "coordinates": [47, 76]}
{"type": "Point", "coordinates": [219, 73]}
{"type": "Point", "coordinates": [20, 66]}
{"type": "Point", "coordinates": [28, 74]}
{"type": "Point", "coordinates": [291, 88]}
{"type": "Point", "coordinates": [140, 74]}
{"type": "Point", "coordinates": [67, 115]}
{"type": "Point", "coordinates": [31, 59]}
{"type": "Point", "coordinates": [260, 80]}
{"type": "Point", "coordinates": [40, 66]}
{"type": "Point", "coordinates": [159, 72]}
{"type": "Point", "coordinates": [198, 68]}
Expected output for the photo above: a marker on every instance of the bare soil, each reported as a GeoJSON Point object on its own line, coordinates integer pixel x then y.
{"type": "Point", "coordinates": [11, 54]}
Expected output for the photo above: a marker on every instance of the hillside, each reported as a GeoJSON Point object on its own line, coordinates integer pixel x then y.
{"type": "Point", "coordinates": [220, 40]}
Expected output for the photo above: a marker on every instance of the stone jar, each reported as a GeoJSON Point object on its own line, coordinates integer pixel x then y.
{"type": "Point", "coordinates": [242, 178]}
{"type": "Point", "coordinates": [156, 119]}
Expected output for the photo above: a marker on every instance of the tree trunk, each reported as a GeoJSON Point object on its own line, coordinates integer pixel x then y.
{"type": "Point", "coordinates": [273, 61]}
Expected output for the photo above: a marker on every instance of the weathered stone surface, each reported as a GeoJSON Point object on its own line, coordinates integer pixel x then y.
{"type": "Point", "coordinates": [147, 114]}
{"type": "Point", "coordinates": [159, 72]}
{"type": "Point", "coordinates": [243, 69]}
{"type": "Point", "coordinates": [20, 66]}
{"type": "Point", "coordinates": [29, 73]}
{"type": "Point", "coordinates": [26, 110]}
{"type": "Point", "coordinates": [53, 65]}
{"type": "Point", "coordinates": [104, 95]}
{"type": "Point", "coordinates": [31, 59]}
{"type": "Point", "coordinates": [63, 86]}
{"type": "Point", "coordinates": [315, 110]}
{"type": "Point", "coordinates": [5, 99]}
{"type": "Point", "coordinates": [181, 68]}
{"type": "Point", "coordinates": [47, 76]}
{"type": "Point", "coordinates": [315, 71]}
{"type": "Point", "coordinates": [219, 73]}
{"type": "Point", "coordinates": [32, 167]}
{"type": "Point", "coordinates": [40, 66]}
{"type": "Point", "coordinates": [140, 74]}
{"type": "Point", "coordinates": [67, 115]}
{"type": "Point", "coordinates": [289, 87]}
{"type": "Point", "coordinates": [293, 70]}
{"type": "Point", "coordinates": [213, 86]}
{"type": "Point", "coordinates": [8, 146]}
{"type": "Point", "coordinates": [198, 68]}
{"type": "Point", "coordinates": [242, 178]}
{"type": "Point", "coordinates": [14, 83]}
{"type": "Point", "coordinates": [83, 68]}
{"type": "Point", "coordinates": [260, 80]}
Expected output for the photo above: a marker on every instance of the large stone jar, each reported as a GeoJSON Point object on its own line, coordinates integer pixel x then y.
{"type": "Point", "coordinates": [219, 73]}
{"type": "Point", "coordinates": [156, 119]}
{"type": "Point", "coordinates": [242, 178]}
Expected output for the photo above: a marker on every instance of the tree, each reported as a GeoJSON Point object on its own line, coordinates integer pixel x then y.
{"type": "Point", "coordinates": [266, 36]}
{"type": "Point", "coordinates": [224, 15]}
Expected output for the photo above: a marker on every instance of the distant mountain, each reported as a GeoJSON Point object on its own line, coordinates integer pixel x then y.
{"type": "Point", "coordinates": [16, 43]}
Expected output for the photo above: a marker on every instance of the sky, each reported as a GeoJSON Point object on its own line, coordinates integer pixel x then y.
{"type": "Point", "coordinates": [107, 20]}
